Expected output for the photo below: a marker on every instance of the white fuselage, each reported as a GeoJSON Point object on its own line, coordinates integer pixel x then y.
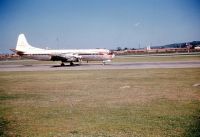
{"type": "Point", "coordinates": [84, 54]}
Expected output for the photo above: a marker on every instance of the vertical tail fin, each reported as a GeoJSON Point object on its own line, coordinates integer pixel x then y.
{"type": "Point", "coordinates": [22, 44]}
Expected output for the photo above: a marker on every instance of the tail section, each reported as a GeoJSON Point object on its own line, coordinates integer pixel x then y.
{"type": "Point", "coordinates": [22, 44]}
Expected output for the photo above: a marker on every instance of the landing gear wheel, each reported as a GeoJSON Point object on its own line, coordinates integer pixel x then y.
{"type": "Point", "coordinates": [71, 63]}
{"type": "Point", "coordinates": [62, 64]}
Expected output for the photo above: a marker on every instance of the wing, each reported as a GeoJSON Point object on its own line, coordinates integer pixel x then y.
{"type": "Point", "coordinates": [66, 57]}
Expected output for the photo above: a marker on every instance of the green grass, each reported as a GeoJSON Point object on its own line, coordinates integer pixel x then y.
{"type": "Point", "coordinates": [146, 102]}
{"type": "Point", "coordinates": [156, 58]}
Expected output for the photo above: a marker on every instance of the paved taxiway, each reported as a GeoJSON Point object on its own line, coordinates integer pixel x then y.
{"type": "Point", "coordinates": [125, 65]}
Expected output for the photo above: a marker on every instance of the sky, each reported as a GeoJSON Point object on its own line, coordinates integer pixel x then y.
{"type": "Point", "coordinates": [73, 24]}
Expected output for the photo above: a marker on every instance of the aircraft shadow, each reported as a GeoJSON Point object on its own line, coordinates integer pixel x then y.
{"type": "Point", "coordinates": [58, 66]}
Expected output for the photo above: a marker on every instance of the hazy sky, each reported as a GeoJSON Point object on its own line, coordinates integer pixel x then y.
{"type": "Point", "coordinates": [108, 24]}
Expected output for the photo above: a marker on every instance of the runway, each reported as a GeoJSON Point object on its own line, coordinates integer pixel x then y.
{"type": "Point", "coordinates": [123, 65]}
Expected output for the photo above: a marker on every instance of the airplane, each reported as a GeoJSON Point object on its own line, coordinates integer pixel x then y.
{"type": "Point", "coordinates": [25, 50]}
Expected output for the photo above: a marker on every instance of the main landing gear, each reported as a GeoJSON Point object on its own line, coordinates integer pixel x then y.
{"type": "Point", "coordinates": [62, 64]}
{"type": "Point", "coordinates": [71, 63]}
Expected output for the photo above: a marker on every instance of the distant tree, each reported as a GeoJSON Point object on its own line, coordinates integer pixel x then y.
{"type": "Point", "coordinates": [125, 48]}
{"type": "Point", "coordinates": [119, 48]}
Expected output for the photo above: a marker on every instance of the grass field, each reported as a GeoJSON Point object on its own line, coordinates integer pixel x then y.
{"type": "Point", "coordinates": [106, 103]}
{"type": "Point", "coordinates": [156, 58]}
